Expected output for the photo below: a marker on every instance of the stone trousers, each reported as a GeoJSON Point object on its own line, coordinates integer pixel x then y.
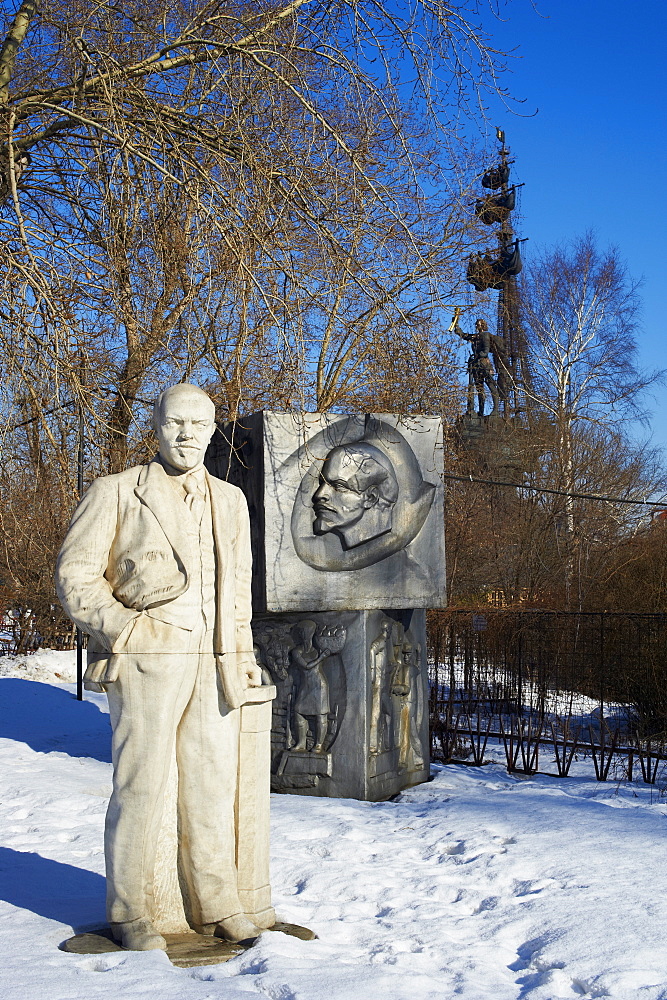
{"type": "Point", "coordinates": [158, 700]}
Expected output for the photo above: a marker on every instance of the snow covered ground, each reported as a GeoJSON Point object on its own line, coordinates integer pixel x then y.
{"type": "Point", "coordinates": [476, 885]}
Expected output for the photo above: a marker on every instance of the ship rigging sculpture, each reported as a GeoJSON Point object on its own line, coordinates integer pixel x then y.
{"type": "Point", "coordinates": [498, 365]}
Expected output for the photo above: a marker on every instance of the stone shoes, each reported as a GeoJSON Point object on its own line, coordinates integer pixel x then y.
{"type": "Point", "coordinates": [140, 935]}
{"type": "Point", "coordinates": [234, 928]}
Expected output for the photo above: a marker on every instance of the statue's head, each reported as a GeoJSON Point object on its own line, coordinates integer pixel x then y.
{"type": "Point", "coordinates": [184, 422]}
{"type": "Point", "coordinates": [480, 326]}
{"type": "Point", "coordinates": [356, 494]}
{"type": "Point", "coordinates": [305, 630]}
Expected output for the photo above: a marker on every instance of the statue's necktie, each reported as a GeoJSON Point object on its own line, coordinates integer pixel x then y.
{"type": "Point", "coordinates": [195, 496]}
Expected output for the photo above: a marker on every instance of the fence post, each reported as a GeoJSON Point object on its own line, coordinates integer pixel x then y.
{"type": "Point", "coordinates": [79, 486]}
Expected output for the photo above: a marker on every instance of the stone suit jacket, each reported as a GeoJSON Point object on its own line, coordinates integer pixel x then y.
{"type": "Point", "coordinates": [125, 552]}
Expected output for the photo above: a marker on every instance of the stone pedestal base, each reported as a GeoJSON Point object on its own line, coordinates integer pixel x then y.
{"type": "Point", "coordinates": [183, 950]}
{"type": "Point", "coordinates": [351, 713]}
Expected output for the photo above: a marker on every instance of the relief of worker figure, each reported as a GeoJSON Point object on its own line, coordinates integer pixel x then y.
{"type": "Point", "coordinates": [381, 662]}
{"type": "Point", "coordinates": [404, 688]}
{"type": "Point", "coordinates": [156, 568]}
{"type": "Point", "coordinates": [274, 643]}
{"type": "Point", "coordinates": [480, 369]}
{"type": "Point", "coordinates": [312, 698]}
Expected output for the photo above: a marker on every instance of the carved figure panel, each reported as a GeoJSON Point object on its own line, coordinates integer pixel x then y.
{"type": "Point", "coordinates": [302, 656]}
{"type": "Point", "coordinates": [349, 718]}
{"type": "Point", "coordinates": [397, 700]}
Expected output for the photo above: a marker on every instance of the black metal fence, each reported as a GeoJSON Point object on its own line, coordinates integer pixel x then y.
{"type": "Point", "coordinates": [551, 687]}
{"type": "Point", "coordinates": [23, 631]}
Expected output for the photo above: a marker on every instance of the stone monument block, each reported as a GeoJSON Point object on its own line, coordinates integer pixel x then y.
{"type": "Point", "coordinates": [348, 549]}
{"type": "Point", "coordinates": [347, 510]}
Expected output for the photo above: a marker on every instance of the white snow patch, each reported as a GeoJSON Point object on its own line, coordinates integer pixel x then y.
{"type": "Point", "coordinates": [53, 666]}
{"type": "Point", "coordinates": [478, 885]}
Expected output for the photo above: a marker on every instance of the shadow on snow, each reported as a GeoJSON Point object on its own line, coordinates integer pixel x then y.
{"type": "Point", "coordinates": [48, 718]}
{"type": "Point", "coordinates": [52, 889]}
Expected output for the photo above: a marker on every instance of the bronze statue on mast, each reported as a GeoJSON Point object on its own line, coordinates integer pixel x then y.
{"type": "Point", "coordinates": [480, 369]}
{"type": "Point", "coordinates": [497, 377]}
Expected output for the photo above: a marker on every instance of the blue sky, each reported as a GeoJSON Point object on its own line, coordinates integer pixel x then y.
{"type": "Point", "coordinates": [595, 154]}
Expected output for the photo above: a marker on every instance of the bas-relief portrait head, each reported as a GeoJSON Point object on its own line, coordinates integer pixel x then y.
{"type": "Point", "coordinates": [361, 502]}
{"type": "Point", "coordinates": [356, 494]}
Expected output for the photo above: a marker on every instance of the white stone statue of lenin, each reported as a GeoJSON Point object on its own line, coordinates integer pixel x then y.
{"type": "Point", "coordinates": [156, 568]}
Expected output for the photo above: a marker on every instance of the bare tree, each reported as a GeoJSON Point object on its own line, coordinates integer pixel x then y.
{"type": "Point", "coordinates": [283, 134]}
{"type": "Point", "coordinates": [580, 313]}
{"type": "Point", "coordinates": [513, 540]}
{"type": "Point", "coordinates": [243, 194]}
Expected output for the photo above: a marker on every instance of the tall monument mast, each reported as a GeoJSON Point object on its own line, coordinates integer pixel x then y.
{"type": "Point", "coordinates": [508, 322]}
{"type": "Point", "coordinates": [508, 380]}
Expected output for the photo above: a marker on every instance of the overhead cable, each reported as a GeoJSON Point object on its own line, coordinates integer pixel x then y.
{"type": "Point", "coordinates": [560, 493]}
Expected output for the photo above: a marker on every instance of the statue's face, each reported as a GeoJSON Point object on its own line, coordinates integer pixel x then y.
{"type": "Point", "coordinates": [335, 502]}
{"type": "Point", "coordinates": [185, 428]}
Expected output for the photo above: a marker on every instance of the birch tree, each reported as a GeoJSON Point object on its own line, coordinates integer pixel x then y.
{"type": "Point", "coordinates": [580, 311]}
